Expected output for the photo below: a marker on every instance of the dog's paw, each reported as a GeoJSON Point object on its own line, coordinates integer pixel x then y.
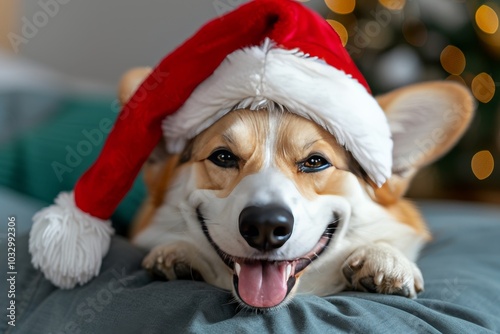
{"type": "Point", "coordinates": [172, 261]}
{"type": "Point", "coordinates": [382, 269]}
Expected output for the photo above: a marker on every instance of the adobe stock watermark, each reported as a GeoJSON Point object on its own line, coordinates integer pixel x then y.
{"type": "Point", "coordinates": [32, 26]}
{"type": "Point", "coordinates": [381, 18]}
{"type": "Point", "coordinates": [452, 291]}
{"type": "Point", "coordinates": [93, 138]}
{"type": "Point", "coordinates": [88, 310]}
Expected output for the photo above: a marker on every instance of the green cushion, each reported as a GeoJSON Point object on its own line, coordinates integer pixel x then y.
{"type": "Point", "coordinates": [51, 157]}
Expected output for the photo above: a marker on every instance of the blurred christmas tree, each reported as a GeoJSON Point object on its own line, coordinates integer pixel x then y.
{"type": "Point", "coordinates": [399, 42]}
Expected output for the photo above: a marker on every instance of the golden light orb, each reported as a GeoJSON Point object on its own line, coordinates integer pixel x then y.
{"type": "Point", "coordinates": [483, 87]}
{"type": "Point", "coordinates": [341, 6]}
{"type": "Point", "coordinates": [340, 29]}
{"type": "Point", "coordinates": [456, 78]}
{"type": "Point", "coordinates": [395, 5]}
{"type": "Point", "coordinates": [487, 19]}
{"type": "Point", "coordinates": [482, 164]}
{"type": "Point", "coordinates": [415, 32]}
{"type": "Point", "coordinates": [453, 60]}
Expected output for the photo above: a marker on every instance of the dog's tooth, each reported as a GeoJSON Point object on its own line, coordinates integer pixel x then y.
{"type": "Point", "coordinates": [288, 270]}
{"type": "Point", "coordinates": [237, 269]}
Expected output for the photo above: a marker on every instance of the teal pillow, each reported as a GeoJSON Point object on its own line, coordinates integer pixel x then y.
{"type": "Point", "coordinates": [51, 157]}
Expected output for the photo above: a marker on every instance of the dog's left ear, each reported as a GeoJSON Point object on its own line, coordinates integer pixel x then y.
{"type": "Point", "coordinates": [130, 81]}
{"type": "Point", "coordinates": [426, 121]}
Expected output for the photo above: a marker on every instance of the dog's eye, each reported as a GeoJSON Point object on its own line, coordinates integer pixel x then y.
{"type": "Point", "coordinates": [224, 159]}
{"type": "Point", "coordinates": [313, 164]}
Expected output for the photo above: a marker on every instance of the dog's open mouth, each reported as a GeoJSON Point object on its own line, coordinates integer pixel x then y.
{"type": "Point", "coordinates": [263, 284]}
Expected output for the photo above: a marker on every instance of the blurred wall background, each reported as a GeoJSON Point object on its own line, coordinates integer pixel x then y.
{"type": "Point", "coordinates": [395, 43]}
{"type": "Point", "coordinates": [100, 40]}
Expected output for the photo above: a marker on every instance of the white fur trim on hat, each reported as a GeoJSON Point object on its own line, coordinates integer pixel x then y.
{"type": "Point", "coordinates": [68, 244]}
{"type": "Point", "coordinates": [306, 86]}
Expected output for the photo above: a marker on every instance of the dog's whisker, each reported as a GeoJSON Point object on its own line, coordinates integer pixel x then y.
{"type": "Point", "coordinates": [232, 301]}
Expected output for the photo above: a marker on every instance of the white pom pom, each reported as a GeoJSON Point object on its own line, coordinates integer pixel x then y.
{"type": "Point", "coordinates": [68, 244]}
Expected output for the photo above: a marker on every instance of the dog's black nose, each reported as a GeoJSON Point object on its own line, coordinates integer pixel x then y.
{"type": "Point", "coordinates": [266, 227]}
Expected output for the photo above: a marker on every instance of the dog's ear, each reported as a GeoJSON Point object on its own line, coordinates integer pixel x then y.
{"type": "Point", "coordinates": [131, 81]}
{"type": "Point", "coordinates": [426, 121]}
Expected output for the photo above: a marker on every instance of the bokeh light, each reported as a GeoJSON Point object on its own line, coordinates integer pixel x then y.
{"type": "Point", "coordinates": [483, 87]}
{"type": "Point", "coordinates": [341, 6]}
{"type": "Point", "coordinates": [453, 60]}
{"type": "Point", "coordinates": [415, 32]}
{"type": "Point", "coordinates": [487, 19]}
{"type": "Point", "coordinates": [340, 29]}
{"type": "Point", "coordinates": [482, 164]}
{"type": "Point", "coordinates": [393, 4]}
{"type": "Point", "coordinates": [456, 78]}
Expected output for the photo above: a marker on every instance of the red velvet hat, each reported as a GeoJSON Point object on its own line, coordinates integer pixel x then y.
{"type": "Point", "coordinates": [264, 51]}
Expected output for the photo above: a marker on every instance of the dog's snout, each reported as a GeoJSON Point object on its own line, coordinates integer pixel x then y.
{"type": "Point", "coordinates": [266, 227]}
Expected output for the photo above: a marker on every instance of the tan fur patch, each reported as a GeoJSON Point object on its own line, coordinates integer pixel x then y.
{"type": "Point", "coordinates": [405, 212]}
{"type": "Point", "coordinates": [157, 178]}
{"type": "Point", "coordinates": [243, 133]}
{"type": "Point", "coordinates": [299, 139]}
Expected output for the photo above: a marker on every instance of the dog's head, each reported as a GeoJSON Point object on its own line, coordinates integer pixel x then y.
{"type": "Point", "coordinates": [271, 193]}
{"type": "Point", "coordinates": [267, 190]}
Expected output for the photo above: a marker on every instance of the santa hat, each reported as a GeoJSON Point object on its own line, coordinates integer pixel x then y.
{"type": "Point", "coordinates": [266, 52]}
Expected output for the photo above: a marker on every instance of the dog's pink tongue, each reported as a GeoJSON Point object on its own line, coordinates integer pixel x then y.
{"type": "Point", "coordinates": [262, 284]}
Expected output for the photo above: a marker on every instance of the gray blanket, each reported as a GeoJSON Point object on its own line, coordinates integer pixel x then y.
{"type": "Point", "coordinates": [461, 268]}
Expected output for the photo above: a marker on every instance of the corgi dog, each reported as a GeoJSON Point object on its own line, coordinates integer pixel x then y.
{"type": "Point", "coordinates": [267, 204]}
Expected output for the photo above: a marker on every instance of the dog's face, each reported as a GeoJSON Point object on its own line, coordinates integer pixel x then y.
{"type": "Point", "coordinates": [269, 195]}
{"type": "Point", "coordinates": [266, 197]}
